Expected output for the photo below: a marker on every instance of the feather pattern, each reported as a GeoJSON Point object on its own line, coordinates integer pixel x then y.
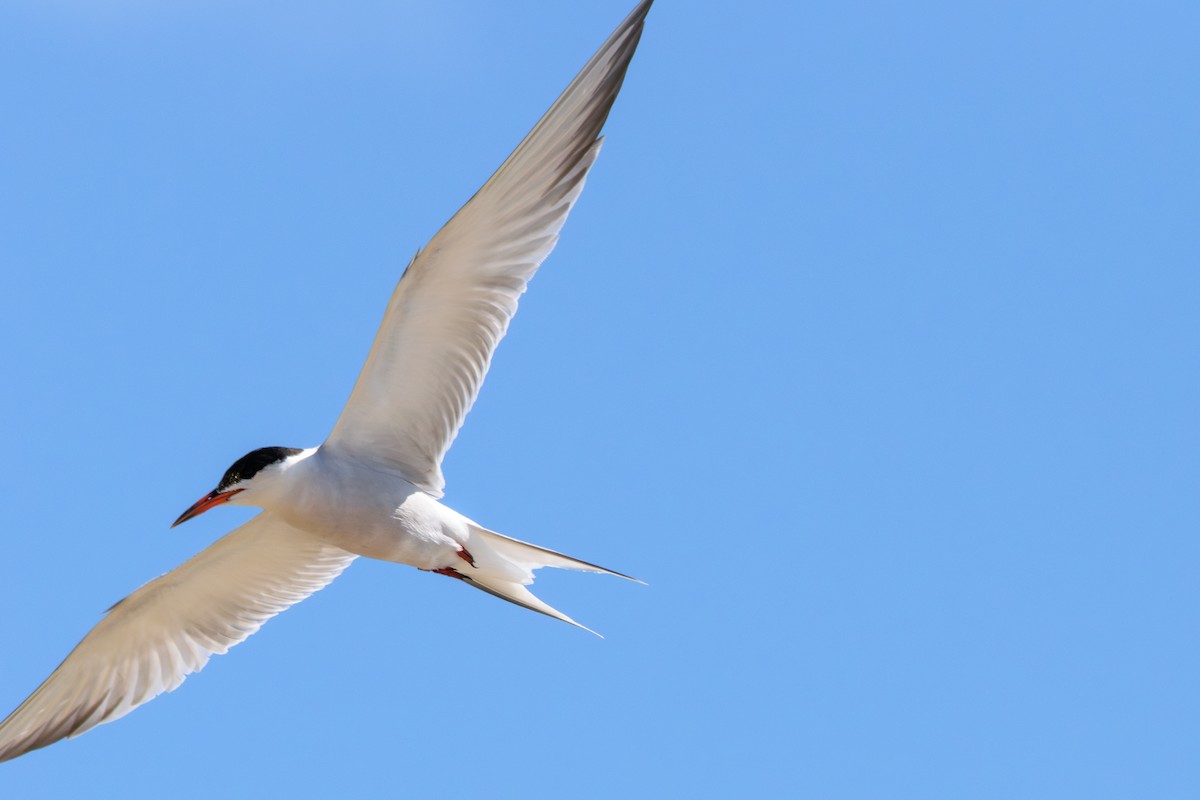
{"type": "Point", "coordinates": [455, 300]}
{"type": "Point", "coordinates": [154, 638]}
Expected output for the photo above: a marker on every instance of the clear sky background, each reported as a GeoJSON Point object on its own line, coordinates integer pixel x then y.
{"type": "Point", "coordinates": [871, 346]}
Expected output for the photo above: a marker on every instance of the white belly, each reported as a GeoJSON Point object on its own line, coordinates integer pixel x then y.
{"type": "Point", "coordinates": [374, 514]}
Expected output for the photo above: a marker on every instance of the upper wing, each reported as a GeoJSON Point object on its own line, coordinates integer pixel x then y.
{"type": "Point", "coordinates": [454, 302]}
{"type": "Point", "coordinates": [154, 638]}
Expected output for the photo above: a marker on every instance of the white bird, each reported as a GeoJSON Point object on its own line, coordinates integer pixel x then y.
{"type": "Point", "coordinates": [372, 488]}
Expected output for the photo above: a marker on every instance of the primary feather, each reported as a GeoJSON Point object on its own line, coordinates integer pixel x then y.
{"type": "Point", "coordinates": [454, 302]}
{"type": "Point", "coordinates": [154, 638]}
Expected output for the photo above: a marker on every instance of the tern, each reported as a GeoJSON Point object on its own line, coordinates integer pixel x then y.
{"type": "Point", "coordinates": [373, 487]}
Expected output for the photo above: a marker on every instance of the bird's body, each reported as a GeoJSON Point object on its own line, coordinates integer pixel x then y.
{"type": "Point", "coordinates": [370, 511]}
{"type": "Point", "coordinates": [373, 488]}
{"type": "Point", "coordinates": [364, 510]}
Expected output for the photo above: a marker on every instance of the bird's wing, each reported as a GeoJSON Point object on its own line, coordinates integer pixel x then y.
{"type": "Point", "coordinates": [454, 301]}
{"type": "Point", "coordinates": [154, 638]}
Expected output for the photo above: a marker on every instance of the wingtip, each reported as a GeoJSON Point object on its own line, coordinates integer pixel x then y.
{"type": "Point", "coordinates": [641, 9]}
{"type": "Point", "coordinates": [616, 574]}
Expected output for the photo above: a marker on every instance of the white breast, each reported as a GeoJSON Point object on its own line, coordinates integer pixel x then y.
{"type": "Point", "coordinates": [371, 512]}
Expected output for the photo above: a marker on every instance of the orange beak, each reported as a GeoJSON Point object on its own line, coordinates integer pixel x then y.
{"type": "Point", "coordinates": [210, 500]}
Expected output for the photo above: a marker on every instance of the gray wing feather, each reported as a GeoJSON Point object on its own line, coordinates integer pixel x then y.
{"type": "Point", "coordinates": [154, 638]}
{"type": "Point", "coordinates": [455, 300]}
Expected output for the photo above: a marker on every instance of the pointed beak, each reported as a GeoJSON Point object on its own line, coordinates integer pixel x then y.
{"type": "Point", "coordinates": [210, 500]}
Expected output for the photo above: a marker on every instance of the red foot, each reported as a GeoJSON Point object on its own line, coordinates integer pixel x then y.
{"type": "Point", "coordinates": [449, 572]}
{"type": "Point", "coordinates": [466, 556]}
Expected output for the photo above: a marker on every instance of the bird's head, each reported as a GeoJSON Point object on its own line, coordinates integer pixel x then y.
{"type": "Point", "coordinates": [245, 480]}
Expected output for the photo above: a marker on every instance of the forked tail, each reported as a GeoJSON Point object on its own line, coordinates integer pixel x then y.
{"type": "Point", "coordinates": [504, 567]}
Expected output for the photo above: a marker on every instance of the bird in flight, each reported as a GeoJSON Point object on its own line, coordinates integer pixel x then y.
{"type": "Point", "coordinates": [373, 487]}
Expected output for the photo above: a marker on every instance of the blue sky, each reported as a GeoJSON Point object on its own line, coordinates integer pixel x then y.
{"type": "Point", "coordinates": [871, 346]}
